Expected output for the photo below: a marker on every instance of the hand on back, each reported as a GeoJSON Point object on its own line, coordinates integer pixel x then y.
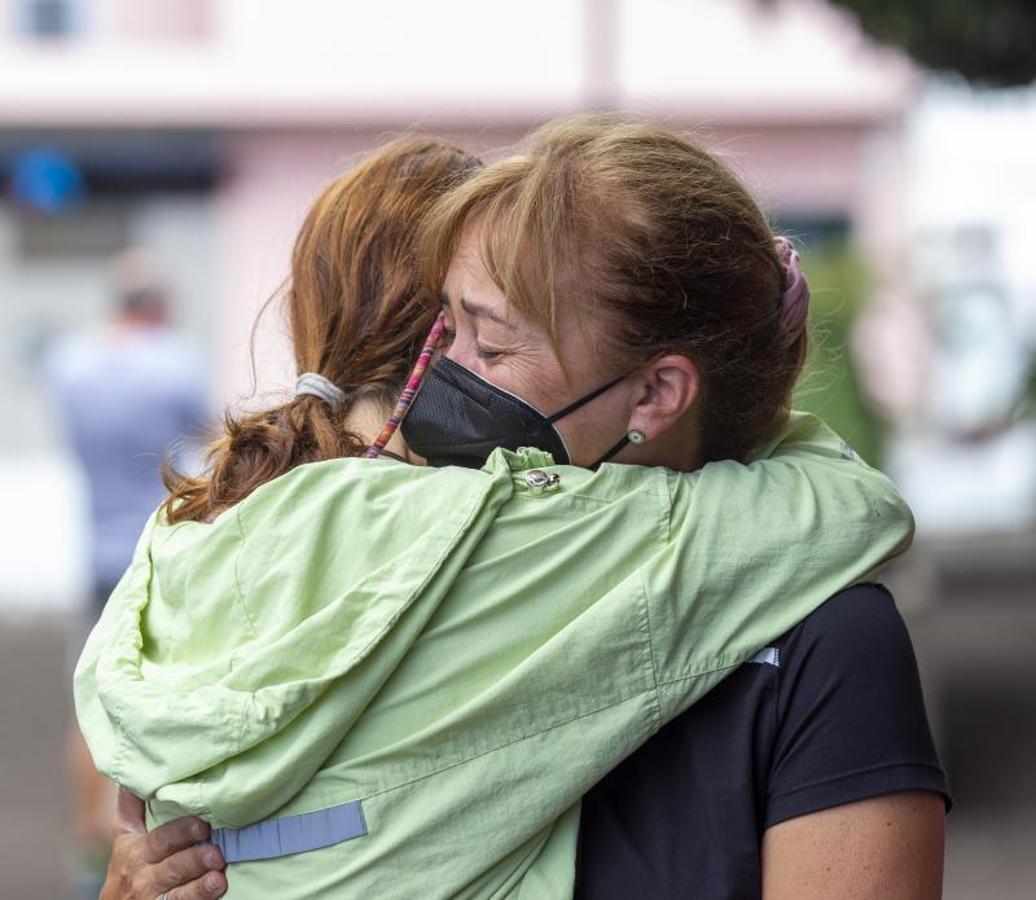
{"type": "Point", "coordinates": [168, 862]}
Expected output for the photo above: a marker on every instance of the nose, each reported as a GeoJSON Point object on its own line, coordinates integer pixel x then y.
{"type": "Point", "coordinates": [459, 350]}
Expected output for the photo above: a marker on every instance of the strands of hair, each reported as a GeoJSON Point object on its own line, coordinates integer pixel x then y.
{"type": "Point", "coordinates": [358, 316]}
{"type": "Point", "coordinates": [660, 248]}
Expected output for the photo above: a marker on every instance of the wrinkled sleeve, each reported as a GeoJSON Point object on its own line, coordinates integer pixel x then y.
{"type": "Point", "coordinates": [753, 549]}
{"type": "Point", "coordinates": [99, 724]}
{"type": "Point", "coordinates": [235, 655]}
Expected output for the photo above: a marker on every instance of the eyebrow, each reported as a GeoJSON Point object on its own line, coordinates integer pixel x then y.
{"type": "Point", "coordinates": [476, 310]}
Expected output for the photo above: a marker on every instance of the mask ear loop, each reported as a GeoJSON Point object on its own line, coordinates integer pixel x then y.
{"type": "Point", "coordinates": [582, 401]}
{"type": "Point", "coordinates": [410, 391]}
{"type": "Point", "coordinates": [630, 437]}
{"type": "Point", "coordinates": [615, 448]}
{"type": "Point", "coordinates": [571, 408]}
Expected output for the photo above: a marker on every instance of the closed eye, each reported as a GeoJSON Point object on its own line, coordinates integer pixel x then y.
{"type": "Point", "coordinates": [487, 355]}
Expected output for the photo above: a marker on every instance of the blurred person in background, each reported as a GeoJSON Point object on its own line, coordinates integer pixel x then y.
{"type": "Point", "coordinates": [128, 391]}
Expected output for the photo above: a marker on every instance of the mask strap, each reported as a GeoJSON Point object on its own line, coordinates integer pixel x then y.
{"type": "Point", "coordinates": [582, 401]}
{"type": "Point", "coordinates": [412, 384]}
{"type": "Point", "coordinates": [615, 448]}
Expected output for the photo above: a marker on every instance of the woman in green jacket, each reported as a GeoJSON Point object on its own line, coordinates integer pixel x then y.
{"type": "Point", "coordinates": [374, 677]}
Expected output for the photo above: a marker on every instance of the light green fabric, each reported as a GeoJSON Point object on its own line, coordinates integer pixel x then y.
{"type": "Point", "coordinates": [463, 654]}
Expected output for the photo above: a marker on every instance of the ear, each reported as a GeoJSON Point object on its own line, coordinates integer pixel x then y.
{"type": "Point", "coordinates": [669, 386]}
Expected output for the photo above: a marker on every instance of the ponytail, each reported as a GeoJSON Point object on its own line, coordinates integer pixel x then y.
{"type": "Point", "coordinates": [254, 449]}
{"type": "Point", "coordinates": [358, 319]}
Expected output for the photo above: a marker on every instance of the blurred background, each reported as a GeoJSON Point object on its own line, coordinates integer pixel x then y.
{"type": "Point", "coordinates": [896, 141]}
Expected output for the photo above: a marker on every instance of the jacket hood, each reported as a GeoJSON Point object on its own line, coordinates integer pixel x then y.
{"type": "Point", "coordinates": [221, 635]}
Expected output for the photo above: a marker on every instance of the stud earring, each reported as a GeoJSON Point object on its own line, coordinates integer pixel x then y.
{"type": "Point", "coordinates": [636, 437]}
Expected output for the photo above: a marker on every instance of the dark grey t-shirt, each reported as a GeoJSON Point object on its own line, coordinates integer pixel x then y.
{"type": "Point", "coordinates": [830, 714]}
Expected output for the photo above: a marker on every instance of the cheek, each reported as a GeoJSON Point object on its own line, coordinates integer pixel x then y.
{"type": "Point", "coordinates": [531, 372]}
{"type": "Point", "coordinates": [536, 377]}
{"type": "Point", "coordinates": [589, 430]}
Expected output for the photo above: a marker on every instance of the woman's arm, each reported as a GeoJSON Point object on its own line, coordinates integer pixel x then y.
{"type": "Point", "coordinates": [756, 548]}
{"type": "Point", "coordinates": [856, 801]}
{"type": "Point", "coordinates": [167, 862]}
{"type": "Point", "coordinates": [883, 848]}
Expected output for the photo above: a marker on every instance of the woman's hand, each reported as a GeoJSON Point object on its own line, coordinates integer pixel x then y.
{"type": "Point", "coordinates": [167, 862]}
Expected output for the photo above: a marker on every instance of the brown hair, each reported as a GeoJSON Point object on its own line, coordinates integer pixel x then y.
{"type": "Point", "coordinates": [650, 235]}
{"type": "Point", "coordinates": [357, 315]}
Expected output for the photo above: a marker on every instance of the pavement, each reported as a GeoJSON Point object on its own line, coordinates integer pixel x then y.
{"type": "Point", "coordinates": [989, 738]}
{"type": "Point", "coordinates": [34, 715]}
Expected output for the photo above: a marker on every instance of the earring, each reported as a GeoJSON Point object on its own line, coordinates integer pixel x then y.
{"type": "Point", "coordinates": [636, 437]}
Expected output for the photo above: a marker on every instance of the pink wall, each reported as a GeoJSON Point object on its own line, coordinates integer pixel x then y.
{"type": "Point", "coordinates": [270, 181]}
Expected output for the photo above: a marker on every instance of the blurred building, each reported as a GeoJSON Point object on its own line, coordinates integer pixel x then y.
{"type": "Point", "coordinates": [201, 128]}
{"type": "Point", "coordinates": [949, 346]}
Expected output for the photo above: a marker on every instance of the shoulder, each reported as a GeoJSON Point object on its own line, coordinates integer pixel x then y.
{"type": "Point", "coordinates": [68, 355]}
{"type": "Point", "coordinates": [860, 625]}
{"type": "Point", "coordinates": [347, 473]}
{"type": "Point", "coordinates": [854, 645]}
{"type": "Point", "coordinates": [172, 357]}
{"type": "Point", "coordinates": [362, 497]}
{"type": "Point", "coordinates": [829, 714]}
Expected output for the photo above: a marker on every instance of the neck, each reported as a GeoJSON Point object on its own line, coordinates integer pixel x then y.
{"type": "Point", "coordinates": [366, 418]}
{"type": "Point", "coordinates": [678, 449]}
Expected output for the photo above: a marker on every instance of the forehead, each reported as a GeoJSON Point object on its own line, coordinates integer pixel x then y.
{"type": "Point", "coordinates": [470, 292]}
{"type": "Point", "coordinates": [469, 279]}
{"type": "Point", "coordinates": [470, 287]}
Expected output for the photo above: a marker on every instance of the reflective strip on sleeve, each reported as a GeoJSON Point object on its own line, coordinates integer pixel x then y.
{"type": "Point", "coordinates": [292, 834]}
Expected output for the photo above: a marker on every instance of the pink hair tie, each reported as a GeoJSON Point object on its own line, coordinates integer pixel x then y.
{"type": "Point", "coordinates": [795, 294]}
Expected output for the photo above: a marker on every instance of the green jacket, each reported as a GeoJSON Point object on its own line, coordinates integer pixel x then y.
{"type": "Point", "coordinates": [463, 652]}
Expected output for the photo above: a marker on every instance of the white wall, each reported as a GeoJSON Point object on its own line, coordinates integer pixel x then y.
{"type": "Point", "coordinates": [466, 62]}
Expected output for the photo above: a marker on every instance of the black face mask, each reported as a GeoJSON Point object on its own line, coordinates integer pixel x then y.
{"type": "Point", "coordinates": [458, 419]}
